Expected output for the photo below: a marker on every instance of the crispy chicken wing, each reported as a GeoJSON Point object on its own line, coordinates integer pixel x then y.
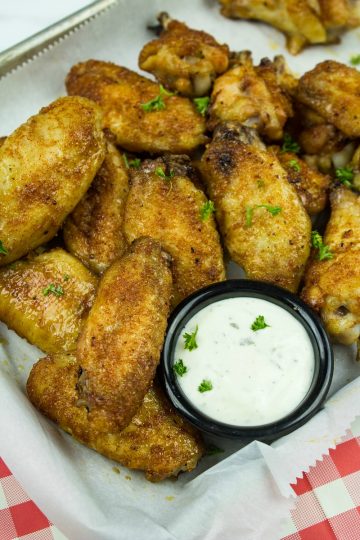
{"type": "Point", "coordinates": [46, 166]}
{"type": "Point", "coordinates": [157, 440]}
{"type": "Point", "coordinates": [263, 223]}
{"type": "Point", "coordinates": [93, 231]}
{"type": "Point", "coordinates": [332, 286]}
{"type": "Point", "coordinates": [184, 60]}
{"type": "Point", "coordinates": [46, 298]}
{"type": "Point", "coordinates": [141, 115]}
{"type": "Point", "coordinates": [120, 345]}
{"type": "Point", "coordinates": [255, 96]}
{"type": "Point", "coordinates": [165, 204]}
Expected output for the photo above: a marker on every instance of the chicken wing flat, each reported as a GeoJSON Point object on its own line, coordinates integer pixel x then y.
{"type": "Point", "coordinates": [332, 285]}
{"type": "Point", "coordinates": [157, 440]}
{"type": "Point", "coordinates": [120, 345]}
{"type": "Point", "coordinates": [263, 223]}
{"type": "Point", "coordinates": [184, 60]}
{"type": "Point", "coordinates": [46, 166]}
{"type": "Point", "coordinates": [331, 90]}
{"type": "Point", "coordinates": [93, 231]}
{"type": "Point", "coordinates": [165, 204]}
{"type": "Point", "coordinates": [46, 298]}
{"type": "Point", "coordinates": [140, 113]}
{"type": "Point", "coordinates": [253, 96]}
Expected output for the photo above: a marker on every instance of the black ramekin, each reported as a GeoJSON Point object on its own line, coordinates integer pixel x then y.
{"type": "Point", "coordinates": [324, 360]}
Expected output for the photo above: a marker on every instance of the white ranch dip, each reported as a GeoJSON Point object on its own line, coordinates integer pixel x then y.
{"type": "Point", "coordinates": [256, 376]}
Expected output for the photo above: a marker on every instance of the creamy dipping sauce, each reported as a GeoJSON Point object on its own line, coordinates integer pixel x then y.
{"type": "Point", "coordinates": [241, 375]}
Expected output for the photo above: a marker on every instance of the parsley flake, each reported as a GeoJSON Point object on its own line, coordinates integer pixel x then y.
{"type": "Point", "coordinates": [202, 104]}
{"type": "Point", "coordinates": [260, 183]}
{"type": "Point", "coordinates": [205, 386]}
{"type": "Point", "coordinates": [180, 368]}
{"type": "Point", "coordinates": [294, 164]}
{"type": "Point", "coordinates": [131, 163]}
{"type": "Point", "coordinates": [190, 340]}
{"type": "Point", "coordinates": [57, 290]}
{"type": "Point", "coordinates": [324, 252]}
{"type": "Point", "coordinates": [206, 210]}
{"type": "Point", "coordinates": [273, 210]}
{"type": "Point", "coordinates": [160, 172]}
{"type": "Point", "coordinates": [355, 60]}
{"type": "Point", "coordinates": [212, 450]}
{"type": "Point", "coordinates": [289, 145]}
{"type": "Point", "coordinates": [3, 250]}
{"type": "Point", "coordinates": [157, 103]}
{"type": "Point", "coordinates": [259, 323]}
{"type": "Point", "coordinates": [345, 175]}
{"type": "Point", "coordinates": [66, 277]}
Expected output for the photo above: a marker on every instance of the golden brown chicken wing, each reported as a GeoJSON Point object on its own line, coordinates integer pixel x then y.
{"type": "Point", "coordinates": [46, 166]}
{"type": "Point", "coordinates": [157, 440]}
{"type": "Point", "coordinates": [120, 345]}
{"type": "Point", "coordinates": [184, 60]}
{"type": "Point", "coordinates": [140, 113]}
{"type": "Point", "coordinates": [165, 204]}
{"type": "Point", "coordinates": [263, 223]}
{"type": "Point", "coordinates": [46, 298]}
{"type": "Point", "coordinates": [93, 231]}
{"type": "Point", "coordinates": [332, 285]}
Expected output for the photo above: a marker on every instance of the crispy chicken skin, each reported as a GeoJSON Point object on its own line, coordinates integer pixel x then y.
{"type": "Point", "coordinates": [121, 93]}
{"type": "Point", "coordinates": [50, 322]}
{"type": "Point", "coordinates": [93, 231]}
{"type": "Point", "coordinates": [169, 210]}
{"type": "Point", "coordinates": [120, 345]}
{"type": "Point", "coordinates": [157, 440]}
{"type": "Point", "coordinates": [242, 177]}
{"type": "Point", "coordinates": [331, 90]}
{"type": "Point", "coordinates": [332, 287]}
{"type": "Point", "coordinates": [184, 60]}
{"type": "Point", "coordinates": [255, 96]}
{"type": "Point", "coordinates": [46, 166]}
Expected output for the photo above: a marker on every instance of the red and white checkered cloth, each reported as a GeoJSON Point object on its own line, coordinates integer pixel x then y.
{"type": "Point", "coordinates": [327, 505]}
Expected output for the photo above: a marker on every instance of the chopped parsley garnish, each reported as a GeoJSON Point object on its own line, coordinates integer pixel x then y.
{"type": "Point", "coordinates": [260, 183]}
{"type": "Point", "coordinates": [205, 386]}
{"type": "Point", "coordinates": [133, 163]}
{"type": "Point", "coordinates": [324, 252]}
{"type": "Point", "coordinates": [3, 250]}
{"type": "Point", "coordinates": [157, 104]}
{"type": "Point", "coordinates": [355, 60]}
{"type": "Point", "coordinates": [160, 172]}
{"type": "Point", "coordinates": [289, 145]}
{"type": "Point", "coordinates": [259, 323]}
{"type": "Point", "coordinates": [57, 290]}
{"type": "Point", "coordinates": [294, 164]}
{"type": "Point", "coordinates": [273, 210]}
{"type": "Point", "coordinates": [202, 104]}
{"type": "Point", "coordinates": [190, 340]}
{"type": "Point", "coordinates": [206, 210]}
{"type": "Point", "coordinates": [345, 175]}
{"type": "Point", "coordinates": [66, 277]}
{"type": "Point", "coordinates": [180, 368]}
{"type": "Point", "coordinates": [212, 450]}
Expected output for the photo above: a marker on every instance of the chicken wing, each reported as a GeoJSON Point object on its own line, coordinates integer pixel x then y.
{"type": "Point", "coordinates": [120, 345]}
{"type": "Point", "coordinates": [157, 440]}
{"type": "Point", "coordinates": [93, 231]}
{"type": "Point", "coordinates": [332, 285]}
{"type": "Point", "coordinates": [46, 166]}
{"type": "Point", "coordinates": [263, 223]}
{"type": "Point", "coordinates": [184, 60]}
{"type": "Point", "coordinates": [46, 298]}
{"type": "Point", "coordinates": [140, 113]}
{"type": "Point", "coordinates": [165, 204]}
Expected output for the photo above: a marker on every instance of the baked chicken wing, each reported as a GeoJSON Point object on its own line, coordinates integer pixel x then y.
{"type": "Point", "coordinates": [165, 204]}
{"type": "Point", "coordinates": [140, 113]}
{"type": "Point", "coordinates": [184, 60]}
{"type": "Point", "coordinates": [46, 166]}
{"type": "Point", "coordinates": [263, 223]}
{"type": "Point", "coordinates": [93, 231]}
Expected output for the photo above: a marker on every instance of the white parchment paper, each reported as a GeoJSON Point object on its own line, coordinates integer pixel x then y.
{"type": "Point", "coordinates": [239, 494]}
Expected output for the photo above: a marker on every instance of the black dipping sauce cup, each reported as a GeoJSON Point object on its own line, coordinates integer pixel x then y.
{"type": "Point", "coordinates": [323, 358]}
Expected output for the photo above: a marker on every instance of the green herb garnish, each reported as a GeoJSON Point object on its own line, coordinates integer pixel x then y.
{"type": "Point", "coordinates": [289, 145]}
{"type": "Point", "coordinates": [260, 183]}
{"type": "Point", "coordinates": [294, 164]}
{"type": "Point", "coordinates": [212, 450]}
{"type": "Point", "coordinates": [160, 172]}
{"type": "Point", "coordinates": [324, 252]}
{"type": "Point", "coordinates": [131, 163]}
{"type": "Point", "coordinates": [205, 386]}
{"type": "Point", "coordinates": [179, 368]}
{"type": "Point", "coordinates": [259, 323]}
{"type": "Point", "coordinates": [190, 340]}
{"type": "Point", "coordinates": [206, 210]}
{"type": "Point", "coordinates": [273, 210]}
{"type": "Point", "coordinates": [202, 104]}
{"type": "Point", "coordinates": [3, 250]}
{"type": "Point", "coordinates": [57, 290]}
{"type": "Point", "coordinates": [66, 277]}
{"type": "Point", "coordinates": [157, 104]}
{"type": "Point", "coordinates": [355, 60]}
{"type": "Point", "coordinates": [345, 175]}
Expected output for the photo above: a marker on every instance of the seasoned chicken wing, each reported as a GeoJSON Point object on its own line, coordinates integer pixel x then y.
{"type": "Point", "coordinates": [46, 166]}
{"type": "Point", "coordinates": [184, 60]}
{"type": "Point", "coordinates": [263, 223]}
{"type": "Point", "coordinates": [165, 204]}
{"type": "Point", "coordinates": [157, 440]}
{"type": "Point", "coordinates": [45, 299]}
{"type": "Point", "coordinates": [332, 285]}
{"type": "Point", "coordinates": [120, 345]}
{"type": "Point", "coordinates": [255, 96]}
{"type": "Point", "coordinates": [93, 231]}
{"type": "Point", "coordinates": [140, 113]}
